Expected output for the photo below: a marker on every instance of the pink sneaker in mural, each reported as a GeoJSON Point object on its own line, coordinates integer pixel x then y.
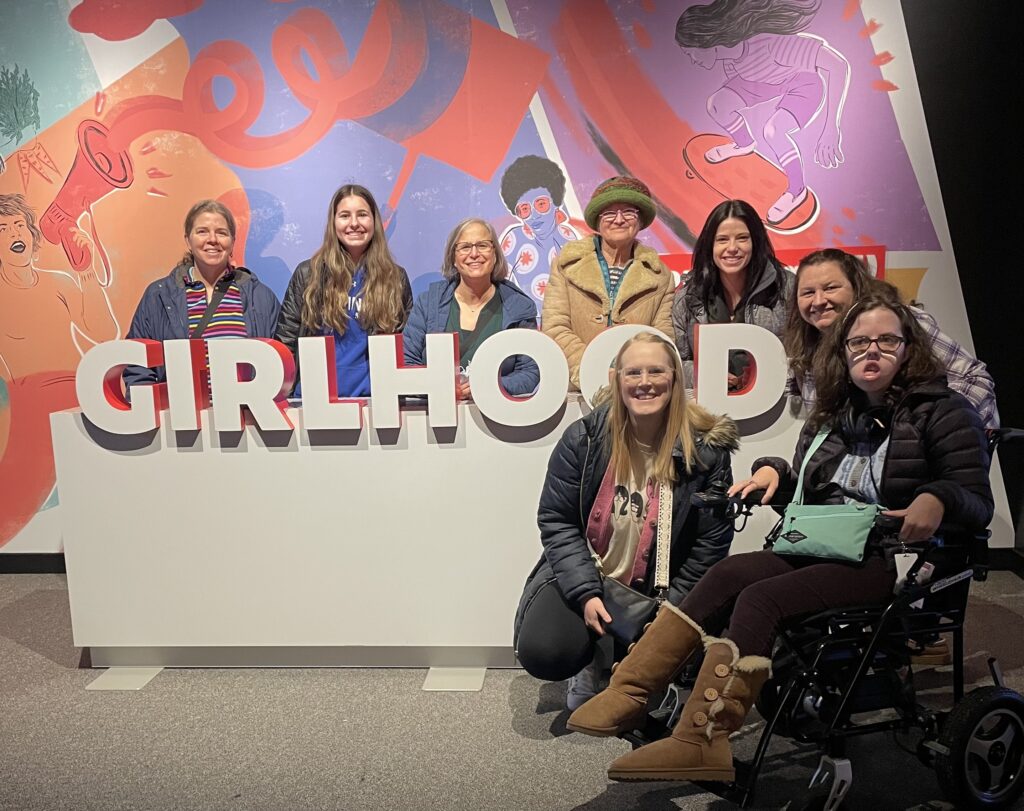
{"type": "Point", "coordinates": [718, 154]}
{"type": "Point", "coordinates": [785, 206]}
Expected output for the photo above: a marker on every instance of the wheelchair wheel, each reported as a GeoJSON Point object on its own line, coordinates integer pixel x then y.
{"type": "Point", "coordinates": [984, 734]}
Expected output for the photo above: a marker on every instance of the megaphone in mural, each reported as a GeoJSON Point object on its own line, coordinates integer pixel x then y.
{"type": "Point", "coordinates": [96, 172]}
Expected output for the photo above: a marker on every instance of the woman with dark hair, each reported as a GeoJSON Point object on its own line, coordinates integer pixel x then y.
{"type": "Point", "coordinates": [646, 438]}
{"type": "Point", "coordinates": [533, 189]}
{"type": "Point", "coordinates": [886, 430]}
{"type": "Point", "coordinates": [207, 295]}
{"type": "Point", "coordinates": [350, 289]}
{"type": "Point", "coordinates": [475, 301]}
{"type": "Point", "coordinates": [735, 279]}
{"type": "Point", "coordinates": [827, 283]}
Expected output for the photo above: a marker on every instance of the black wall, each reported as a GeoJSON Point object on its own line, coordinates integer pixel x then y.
{"type": "Point", "coordinates": [968, 60]}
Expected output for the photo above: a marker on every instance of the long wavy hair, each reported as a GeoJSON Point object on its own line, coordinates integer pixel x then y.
{"type": "Point", "coordinates": [208, 207]}
{"type": "Point", "coordinates": [704, 281]}
{"type": "Point", "coordinates": [800, 338]}
{"type": "Point", "coordinates": [325, 303]}
{"type": "Point", "coordinates": [729, 22]}
{"type": "Point", "coordinates": [15, 205]}
{"type": "Point", "coordinates": [683, 418]}
{"type": "Point", "coordinates": [832, 372]}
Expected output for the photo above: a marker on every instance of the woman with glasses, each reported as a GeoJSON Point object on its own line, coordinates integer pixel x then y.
{"type": "Point", "coordinates": [735, 279]}
{"type": "Point", "coordinates": [827, 283]}
{"type": "Point", "coordinates": [533, 189]}
{"type": "Point", "coordinates": [610, 278]}
{"type": "Point", "coordinates": [643, 435]}
{"type": "Point", "coordinates": [350, 289]}
{"type": "Point", "coordinates": [475, 300]}
{"type": "Point", "coordinates": [885, 430]}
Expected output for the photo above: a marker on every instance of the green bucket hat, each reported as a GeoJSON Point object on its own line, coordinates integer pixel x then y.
{"type": "Point", "coordinates": [620, 190]}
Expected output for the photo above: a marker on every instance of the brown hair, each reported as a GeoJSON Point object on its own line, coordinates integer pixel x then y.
{"type": "Point", "coordinates": [207, 207]}
{"type": "Point", "coordinates": [325, 302]}
{"type": "Point", "coordinates": [831, 370]}
{"type": "Point", "coordinates": [684, 417]}
{"type": "Point", "coordinates": [448, 269]}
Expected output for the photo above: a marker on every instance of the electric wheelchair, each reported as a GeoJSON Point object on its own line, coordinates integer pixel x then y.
{"type": "Point", "coordinates": [845, 673]}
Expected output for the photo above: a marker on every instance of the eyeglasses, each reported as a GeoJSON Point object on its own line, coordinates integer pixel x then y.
{"type": "Point", "coordinates": [465, 248]}
{"type": "Point", "coordinates": [542, 205]}
{"type": "Point", "coordinates": [886, 343]}
{"type": "Point", "coordinates": [627, 214]}
{"type": "Point", "coordinates": [655, 374]}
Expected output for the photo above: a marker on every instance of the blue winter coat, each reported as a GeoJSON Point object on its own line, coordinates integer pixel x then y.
{"type": "Point", "coordinates": [519, 374]}
{"type": "Point", "coordinates": [162, 314]}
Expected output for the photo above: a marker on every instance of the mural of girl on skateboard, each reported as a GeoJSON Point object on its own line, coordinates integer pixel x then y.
{"type": "Point", "coordinates": [767, 60]}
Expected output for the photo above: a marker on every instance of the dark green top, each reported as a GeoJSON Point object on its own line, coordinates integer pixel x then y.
{"type": "Point", "coordinates": [488, 322]}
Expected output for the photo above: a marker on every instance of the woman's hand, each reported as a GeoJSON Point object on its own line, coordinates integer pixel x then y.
{"type": "Point", "coordinates": [765, 478]}
{"type": "Point", "coordinates": [463, 391]}
{"type": "Point", "coordinates": [594, 614]}
{"type": "Point", "coordinates": [921, 518]}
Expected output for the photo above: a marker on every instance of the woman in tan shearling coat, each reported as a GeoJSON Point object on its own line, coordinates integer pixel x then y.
{"type": "Point", "coordinates": [608, 279]}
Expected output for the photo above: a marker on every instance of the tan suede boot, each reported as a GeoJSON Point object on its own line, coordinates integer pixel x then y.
{"type": "Point", "coordinates": [651, 662]}
{"type": "Point", "coordinates": [699, 747]}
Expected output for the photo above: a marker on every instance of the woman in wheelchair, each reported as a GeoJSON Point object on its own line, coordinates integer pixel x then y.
{"type": "Point", "coordinates": [647, 447]}
{"type": "Point", "coordinates": [896, 436]}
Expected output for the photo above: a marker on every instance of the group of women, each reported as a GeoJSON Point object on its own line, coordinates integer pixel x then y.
{"type": "Point", "coordinates": [897, 413]}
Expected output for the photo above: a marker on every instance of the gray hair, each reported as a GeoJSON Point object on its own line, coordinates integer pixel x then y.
{"type": "Point", "coordinates": [500, 270]}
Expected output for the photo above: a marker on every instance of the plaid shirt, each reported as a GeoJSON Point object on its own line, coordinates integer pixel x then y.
{"type": "Point", "coordinates": [965, 374]}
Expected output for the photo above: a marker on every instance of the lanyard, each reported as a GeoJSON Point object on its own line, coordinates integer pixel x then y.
{"type": "Point", "coordinates": [613, 289]}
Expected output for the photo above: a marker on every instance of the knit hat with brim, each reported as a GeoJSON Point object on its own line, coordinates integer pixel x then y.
{"type": "Point", "coordinates": [620, 190]}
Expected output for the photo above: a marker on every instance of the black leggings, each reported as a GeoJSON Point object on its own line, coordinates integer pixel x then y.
{"type": "Point", "coordinates": [552, 641]}
{"type": "Point", "coordinates": [750, 594]}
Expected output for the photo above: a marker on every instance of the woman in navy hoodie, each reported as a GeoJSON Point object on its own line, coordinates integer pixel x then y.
{"type": "Point", "coordinates": [350, 288]}
{"type": "Point", "coordinates": [475, 301]}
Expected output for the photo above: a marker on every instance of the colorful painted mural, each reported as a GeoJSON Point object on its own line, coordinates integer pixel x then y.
{"type": "Point", "coordinates": [115, 117]}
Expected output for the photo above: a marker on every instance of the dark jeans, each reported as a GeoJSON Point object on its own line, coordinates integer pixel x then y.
{"type": "Point", "coordinates": [750, 594]}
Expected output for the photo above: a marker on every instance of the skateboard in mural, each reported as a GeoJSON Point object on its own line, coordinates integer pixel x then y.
{"type": "Point", "coordinates": [749, 177]}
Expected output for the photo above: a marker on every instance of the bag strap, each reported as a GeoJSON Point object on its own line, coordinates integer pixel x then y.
{"type": "Point", "coordinates": [664, 537]}
{"type": "Point", "coordinates": [211, 308]}
{"type": "Point", "coordinates": [816, 443]}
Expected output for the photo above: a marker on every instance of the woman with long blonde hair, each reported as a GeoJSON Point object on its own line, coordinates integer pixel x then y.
{"type": "Point", "coordinates": [350, 288]}
{"type": "Point", "coordinates": [643, 439]}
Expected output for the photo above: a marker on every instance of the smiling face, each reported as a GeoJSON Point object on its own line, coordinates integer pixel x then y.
{"type": "Point", "coordinates": [823, 294]}
{"type": "Point", "coordinates": [353, 223]}
{"type": "Point", "coordinates": [872, 369]}
{"type": "Point", "coordinates": [645, 377]}
{"type": "Point", "coordinates": [210, 242]}
{"type": "Point", "coordinates": [733, 247]}
{"type": "Point", "coordinates": [474, 253]}
{"type": "Point", "coordinates": [618, 224]}
{"type": "Point", "coordinates": [16, 243]}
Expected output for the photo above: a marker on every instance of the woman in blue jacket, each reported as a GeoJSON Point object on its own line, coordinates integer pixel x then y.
{"type": "Point", "coordinates": [207, 295]}
{"type": "Point", "coordinates": [475, 301]}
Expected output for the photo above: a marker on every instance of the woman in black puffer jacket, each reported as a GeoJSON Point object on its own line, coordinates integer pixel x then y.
{"type": "Point", "coordinates": [599, 507]}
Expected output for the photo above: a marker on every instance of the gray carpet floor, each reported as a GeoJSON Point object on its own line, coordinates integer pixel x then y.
{"type": "Point", "coordinates": [371, 739]}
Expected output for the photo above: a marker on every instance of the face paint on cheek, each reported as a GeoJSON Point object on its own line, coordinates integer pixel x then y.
{"type": "Point", "coordinates": [890, 355]}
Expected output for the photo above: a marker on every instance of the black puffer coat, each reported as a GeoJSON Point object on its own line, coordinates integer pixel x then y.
{"type": "Point", "coordinates": [936, 445]}
{"type": "Point", "coordinates": [577, 466]}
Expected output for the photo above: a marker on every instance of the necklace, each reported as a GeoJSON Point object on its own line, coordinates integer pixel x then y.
{"type": "Point", "coordinates": [465, 305]}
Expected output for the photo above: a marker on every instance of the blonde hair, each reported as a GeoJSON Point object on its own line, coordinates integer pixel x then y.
{"type": "Point", "coordinates": [683, 420]}
{"type": "Point", "coordinates": [325, 302]}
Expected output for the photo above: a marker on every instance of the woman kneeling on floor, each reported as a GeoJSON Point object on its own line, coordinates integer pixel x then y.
{"type": "Point", "coordinates": [610, 483]}
{"type": "Point", "coordinates": [896, 436]}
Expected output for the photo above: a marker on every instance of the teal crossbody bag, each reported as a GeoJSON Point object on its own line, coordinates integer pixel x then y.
{"type": "Point", "coordinates": [833, 531]}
